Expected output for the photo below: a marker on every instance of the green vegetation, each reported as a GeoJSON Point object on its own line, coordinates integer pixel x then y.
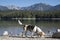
{"type": "Point", "coordinates": [29, 14]}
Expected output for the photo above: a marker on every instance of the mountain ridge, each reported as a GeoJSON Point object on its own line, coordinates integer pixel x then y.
{"type": "Point", "coordinates": [38, 6]}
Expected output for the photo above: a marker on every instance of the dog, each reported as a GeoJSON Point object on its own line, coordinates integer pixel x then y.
{"type": "Point", "coordinates": [32, 28]}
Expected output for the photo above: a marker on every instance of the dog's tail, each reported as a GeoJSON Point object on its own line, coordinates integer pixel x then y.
{"type": "Point", "coordinates": [20, 22]}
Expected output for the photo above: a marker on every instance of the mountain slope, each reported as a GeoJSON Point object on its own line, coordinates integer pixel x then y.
{"type": "Point", "coordinates": [13, 7]}
{"type": "Point", "coordinates": [57, 7]}
{"type": "Point", "coordinates": [39, 6]}
{"type": "Point", "coordinates": [3, 8]}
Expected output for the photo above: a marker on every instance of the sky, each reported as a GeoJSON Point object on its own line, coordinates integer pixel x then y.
{"type": "Point", "coordinates": [25, 3]}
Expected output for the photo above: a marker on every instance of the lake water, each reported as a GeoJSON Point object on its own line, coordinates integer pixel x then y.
{"type": "Point", "coordinates": [14, 28]}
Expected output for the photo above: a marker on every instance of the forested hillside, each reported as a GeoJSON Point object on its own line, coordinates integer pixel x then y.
{"type": "Point", "coordinates": [29, 14]}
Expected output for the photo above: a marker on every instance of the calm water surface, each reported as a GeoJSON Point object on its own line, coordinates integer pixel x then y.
{"type": "Point", "coordinates": [14, 28]}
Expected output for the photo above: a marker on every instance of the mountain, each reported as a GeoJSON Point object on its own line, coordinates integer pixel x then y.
{"type": "Point", "coordinates": [13, 7]}
{"type": "Point", "coordinates": [42, 7]}
{"type": "Point", "coordinates": [39, 6]}
{"type": "Point", "coordinates": [57, 7]}
{"type": "Point", "coordinates": [3, 8]}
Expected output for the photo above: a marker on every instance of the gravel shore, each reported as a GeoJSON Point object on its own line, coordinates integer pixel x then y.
{"type": "Point", "coordinates": [26, 38]}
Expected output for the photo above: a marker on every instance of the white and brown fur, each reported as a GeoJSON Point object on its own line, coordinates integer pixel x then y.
{"type": "Point", "coordinates": [33, 29]}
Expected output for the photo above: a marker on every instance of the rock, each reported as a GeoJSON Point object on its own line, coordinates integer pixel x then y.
{"type": "Point", "coordinates": [5, 33]}
{"type": "Point", "coordinates": [58, 30]}
{"type": "Point", "coordinates": [21, 35]}
{"type": "Point", "coordinates": [56, 35]}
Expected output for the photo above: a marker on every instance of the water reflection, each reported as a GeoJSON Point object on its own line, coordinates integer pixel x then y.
{"type": "Point", "coordinates": [14, 28]}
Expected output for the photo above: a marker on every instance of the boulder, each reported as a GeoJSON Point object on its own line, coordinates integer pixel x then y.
{"type": "Point", "coordinates": [56, 35]}
{"type": "Point", "coordinates": [5, 33]}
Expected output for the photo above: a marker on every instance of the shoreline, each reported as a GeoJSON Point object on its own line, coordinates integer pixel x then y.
{"type": "Point", "coordinates": [26, 38]}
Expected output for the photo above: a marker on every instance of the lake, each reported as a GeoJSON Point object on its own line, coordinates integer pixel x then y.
{"type": "Point", "coordinates": [13, 27]}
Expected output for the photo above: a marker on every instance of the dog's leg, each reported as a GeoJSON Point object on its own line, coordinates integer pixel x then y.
{"type": "Point", "coordinates": [25, 30]}
{"type": "Point", "coordinates": [32, 34]}
{"type": "Point", "coordinates": [33, 31]}
{"type": "Point", "coordinates": [25, 33]}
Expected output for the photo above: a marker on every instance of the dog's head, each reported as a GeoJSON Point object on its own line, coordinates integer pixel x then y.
{"type": "Point", "coordinates": [41, 33]}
